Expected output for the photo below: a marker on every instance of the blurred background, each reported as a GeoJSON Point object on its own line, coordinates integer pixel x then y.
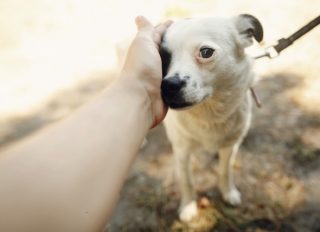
{"type": "Point", "coordinates": [56, 55]}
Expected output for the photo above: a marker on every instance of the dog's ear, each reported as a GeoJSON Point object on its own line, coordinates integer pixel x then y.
{"type": "Point", "coordinates": [248, 27]}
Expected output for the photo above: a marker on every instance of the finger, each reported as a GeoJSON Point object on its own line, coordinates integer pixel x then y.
{"type": "Point", "coordinates": [160, 30]}
{"type": "Point", "coordinates": [160, 111]}
{"type": "Point", "coordinates": [143, 24]}
{"type": "Point", "coordinates": [162, 27]}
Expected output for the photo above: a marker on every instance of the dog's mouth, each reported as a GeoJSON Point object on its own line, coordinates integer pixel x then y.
{"type": "Point", "coordinates": [179, 105]}
{"type": "Point", "coordinates": [176, 102]}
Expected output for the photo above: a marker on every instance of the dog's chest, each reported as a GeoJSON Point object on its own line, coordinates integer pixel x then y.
{"type": "Point", "coordinates": [209, 136]}
{"type": "Point", "coordinates": [203, 133]}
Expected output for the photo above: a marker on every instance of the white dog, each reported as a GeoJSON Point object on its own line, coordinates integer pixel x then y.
{"type": "Point", "coordinates": [207, 77]}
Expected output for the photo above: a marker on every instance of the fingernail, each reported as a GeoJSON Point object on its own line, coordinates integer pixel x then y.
{"type": "Point", "coordinates": [139, 20]}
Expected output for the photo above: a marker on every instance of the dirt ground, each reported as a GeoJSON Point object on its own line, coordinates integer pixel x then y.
{"type": "Point", "coordinates": [278, 166]}
{"type": "Point", "coordinates": [277, 171]}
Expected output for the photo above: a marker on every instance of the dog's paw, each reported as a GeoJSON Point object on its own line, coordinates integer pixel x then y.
{"type": "Point", "coordinates": [233, 197]}
{"type": "Point", "coordinates": [188, 212]}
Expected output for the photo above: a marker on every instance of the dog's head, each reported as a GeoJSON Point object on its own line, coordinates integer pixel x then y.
{"type": "Point", "coordinates": [200, 56]}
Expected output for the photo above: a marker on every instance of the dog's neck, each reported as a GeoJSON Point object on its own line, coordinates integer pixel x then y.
{"type": "Point", "coordinates": [223, 104]}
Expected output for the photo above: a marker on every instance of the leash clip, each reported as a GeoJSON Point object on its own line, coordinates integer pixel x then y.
{"type": "Point", "coordinates": [272, 52]}
{"type": "Point", "coordinates": [269, 52]}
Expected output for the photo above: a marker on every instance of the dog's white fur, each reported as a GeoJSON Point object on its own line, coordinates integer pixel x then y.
{"type": "Point", "coordinates": [218, 89]}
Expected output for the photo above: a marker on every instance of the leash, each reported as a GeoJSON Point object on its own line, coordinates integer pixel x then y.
{"type": "Point", "coordinates": [274, 51]}
{"type": "Point", "coordinates": [283, 43]}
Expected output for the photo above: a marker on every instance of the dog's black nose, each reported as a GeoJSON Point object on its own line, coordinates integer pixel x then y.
{"type": "Point", "coordinates": [172, 84]}
{"type": "Point", "coordinates": [171, 92]}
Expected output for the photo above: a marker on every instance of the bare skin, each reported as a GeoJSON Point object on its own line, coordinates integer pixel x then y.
{"type": "Point", "coordinates": [68, 177]}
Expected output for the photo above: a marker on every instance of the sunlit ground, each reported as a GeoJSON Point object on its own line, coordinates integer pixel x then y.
{"type": "Point", "coordinates": [56, 55]}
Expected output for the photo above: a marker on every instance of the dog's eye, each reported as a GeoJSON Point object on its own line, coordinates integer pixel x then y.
{"type": "Point", "coordinates": [206, 52]}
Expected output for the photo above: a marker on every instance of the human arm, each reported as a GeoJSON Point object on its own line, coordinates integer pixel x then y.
{"type": "Point", "coordinates": [68, 177]}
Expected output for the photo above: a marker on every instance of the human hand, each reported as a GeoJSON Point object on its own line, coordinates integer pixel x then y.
{"type": "Point", "coordinates": [143, 65]}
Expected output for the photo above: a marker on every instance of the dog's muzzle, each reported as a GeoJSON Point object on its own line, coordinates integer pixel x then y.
{"type": "Point", "coordinates": [172, 94]}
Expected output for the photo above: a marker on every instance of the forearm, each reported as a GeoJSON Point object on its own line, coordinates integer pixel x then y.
{"type": "Point", "coordinates": [78, 166]}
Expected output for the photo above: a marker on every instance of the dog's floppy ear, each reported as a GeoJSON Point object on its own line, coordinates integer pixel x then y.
{"type": "Point", "coordinates": [248, 27]}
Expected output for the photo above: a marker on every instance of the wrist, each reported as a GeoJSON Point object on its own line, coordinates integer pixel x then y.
{"type": "Point", "coordinates": [135, 98]}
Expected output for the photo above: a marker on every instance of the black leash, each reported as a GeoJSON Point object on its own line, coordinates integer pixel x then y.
{"type": "Point", "coordinates": [283, 43]}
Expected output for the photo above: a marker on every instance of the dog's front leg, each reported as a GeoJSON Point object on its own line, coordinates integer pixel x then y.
{"type": "Point", "coordinates": [188, 206]}
{"type": "Point", "coordinates": [226, 181]}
